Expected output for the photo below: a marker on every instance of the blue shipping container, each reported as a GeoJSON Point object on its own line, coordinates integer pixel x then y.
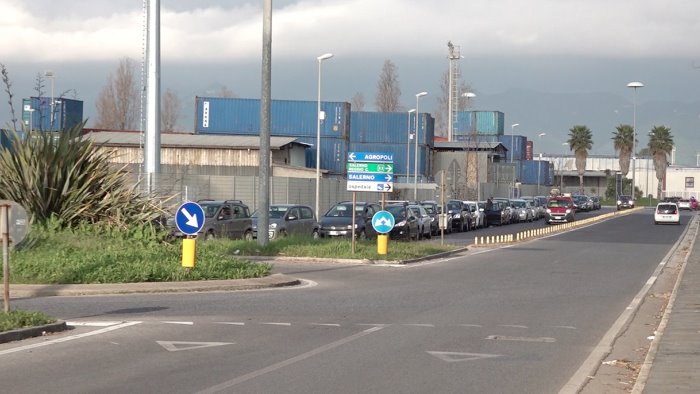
{"type": "Point", "coordinates": [490, 122]}
{"type": "Point", "coordinates": [390, 127]}
{"type": "Point", "coordinates": [62, 115]}
{"type": "Point", "coordinates": [534, 172]}
{"type": "Point", "coordinates": [334, 152]}
{"type": "Point", "coordinates": [519, 144]}
{"type": "Point", "coordinates": [217, 115]}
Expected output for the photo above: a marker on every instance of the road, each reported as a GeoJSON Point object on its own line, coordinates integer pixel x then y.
{"type": "Point", "coordinates": [515, 319]}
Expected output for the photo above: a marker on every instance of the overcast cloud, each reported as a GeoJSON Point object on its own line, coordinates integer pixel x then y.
{"type": "Point", "coordinates": [591, 47]}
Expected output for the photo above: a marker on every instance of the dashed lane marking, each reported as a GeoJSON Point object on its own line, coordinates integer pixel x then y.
{"type": "Point", "coordinates": [182, 323]}
{"type": "Point", "coordinates": [93, 323]}
{"type": "Point", "coordinates": [453, 357]}
{"type": "Point", "coordinates": [520, 339]}
{"type": "Point", "coordinates": [176, 346]}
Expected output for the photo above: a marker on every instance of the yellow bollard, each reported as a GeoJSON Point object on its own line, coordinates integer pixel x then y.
{"type": "Point", "coordinates": [382, 243]}
{"type": "Point", "coordinates": [189, 246]}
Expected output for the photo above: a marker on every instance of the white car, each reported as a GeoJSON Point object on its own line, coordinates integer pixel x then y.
{"type": "Point", "coordinates": [478, 215]}
{"type": "Point", "coordinates": [667, 212]}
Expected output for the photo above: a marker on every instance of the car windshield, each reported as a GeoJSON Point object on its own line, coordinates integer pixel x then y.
{"type": "Point", "coordinates": [275, 212]}
{"type": "Point", "coordinates": [520, 204]}
{"type": "Point", "coordinates": [340, 210]}
{"type": "Point", "coordinates": [398, 211]}
{"type": "Point", "coordinates": [666, 208]}
{"type": "Point", "coordinates": [429, 209]}
{"type": "Point", "coordinates": [557, 204]}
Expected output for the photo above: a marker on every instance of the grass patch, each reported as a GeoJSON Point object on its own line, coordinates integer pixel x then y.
{"type": "Point", "coordinates": [339, 248]}
{"type": "Point", "coordinates": [20, 319]}
{"type": "Point", "coordinates": [88, 255]}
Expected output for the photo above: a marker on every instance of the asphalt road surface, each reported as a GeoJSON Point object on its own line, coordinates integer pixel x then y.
{"type": "Point", "coordinates": [509, 320]}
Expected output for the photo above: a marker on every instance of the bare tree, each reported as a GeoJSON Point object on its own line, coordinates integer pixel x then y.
{"type": "Point", "coordinates": [226, 92]}
{"type": "Point", "coordinates": [118, 104]}
{"type": "Point", "coordinates": [357, 102]}
{"type": "Point", "coordinates": [170, 110]}
{"type": "Point", "coordinates": [8, 89]}
{"type": "Point", "coordinates": [388, 90]}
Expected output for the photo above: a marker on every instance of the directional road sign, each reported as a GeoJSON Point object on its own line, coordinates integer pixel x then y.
{"type": "Point", "coordinates": [359, 186]}
{"type": "Point", "coordinates": [370, 177]}
{"type": "Point", "coordinates": [371, 157]}
{"type": "Point", "coordinates": [354, 166]}
{"type": "Point", "coordinates": [189, 218]}
{"type": "Point", "coordinates": [383, 222]}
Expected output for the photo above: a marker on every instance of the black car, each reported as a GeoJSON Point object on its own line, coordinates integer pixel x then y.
{"type": "Point", "coordinates": [337, 222]}
{"type": "Point", "coordinates": [406, 224]}
{"type": "Point", "coordinates": [496, 213]}
{"type": "Point", "coordinates": [461, 216]}
{"type": "Point", "coordinates": [625, 202]}
{"type": "Point", "coordinates": [431, 207]}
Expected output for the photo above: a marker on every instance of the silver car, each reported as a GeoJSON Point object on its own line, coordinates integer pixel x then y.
{"type": "Point", "coordinates": [289, 219]}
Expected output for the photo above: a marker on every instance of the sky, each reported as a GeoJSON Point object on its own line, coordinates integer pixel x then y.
{"type": "Point", "coordinates": [547, 64]}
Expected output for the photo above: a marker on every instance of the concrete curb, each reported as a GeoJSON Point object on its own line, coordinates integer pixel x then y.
{"type": "Point", "coordinates": [273, 259]}
{"type": "Point", "coordinates": [274, 280]}
{"type": "Point", "coordinates": [31, 332]}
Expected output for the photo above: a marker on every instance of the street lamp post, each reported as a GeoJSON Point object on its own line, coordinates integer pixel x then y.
{"type": "Point", "coordinates": [415, 158]}
{"type": "Point", "coordinates": [635, 86]}
{"type": "Point", "coordinates": [539, 163]}
{"type": "Point", "coordinates": [408, 146]}
{"type": "Point", "coordinates": [512, 148]}
{"type": "Point", "coordinates": [320, 59]}
{"type": "Point", "coordinates": [49, 74]}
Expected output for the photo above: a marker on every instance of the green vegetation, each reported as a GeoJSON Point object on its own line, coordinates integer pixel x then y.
{"type": "Point", "coordinates": [338, 248]}
{"type": "Point", "coordinates": [20, 319]}
{"type": "Point", "coordinates": [93, 254]}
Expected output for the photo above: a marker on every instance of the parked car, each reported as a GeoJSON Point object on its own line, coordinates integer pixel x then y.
{"type": "Point", "coordinates": [523, 209]}
{"type": "Point", "coordinates": [222, 219]}
{"type": "Point", "coordinates": [288, 219]}
{"type": "Point", "coordinates": [583, 203]}
{"type": "Point", "coordinates": [667, 212]}
{"type": "Point", "coordinates": [448, 218]}
{"type": "Point", "coordinates": [496, 213]}
{"type": "Point", "coordinates": [478, 216]}
{"type": "Point", "coordinates": [423, 219]}
{"type": "Point", "coordinates": [684, 203]}
{"type": "Point", "coordinates": [536, 207]}
{"type": "Point", "coordinates": [338, 220]}
{"type": "Point", "coordinates": [624, 202]}
{"type": "Point", "coordinates": [596, 202]}
{"type": "Point", "coordinates": [406, 224]}
{"type": "Point", "coordinates": [460, 215]}
{"type": "Point", "coordinates": [560, 209]}
{"type": "Point", "coordinates": [513, 216]}
{"type": "Point", "coordinates": [431, 207]}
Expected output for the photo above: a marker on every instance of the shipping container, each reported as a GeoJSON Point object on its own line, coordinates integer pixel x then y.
{"type": "Point", "coordinates": [4, 141]}
{"type": "Point", "coordinates": [519, 144]}
{"type": "Point", "coordinates": [480, 122]}
{"type": "Point", "coordinates": [62, 115]}
{"type": "Point", "coordinates": [535, 172]}
{"type": "Point", "coordinates": [403, 160]}
{"type": "Point", "coordinates": [334, 152]}
{"type": "Point", "coordinates": [390, 127]}
{"type": "Point", "coordinates": [217, 115]}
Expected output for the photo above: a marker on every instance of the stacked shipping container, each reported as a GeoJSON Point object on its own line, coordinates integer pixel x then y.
{"type": "Point", "coordinates": [66, 113]}
{"type": "Point", "coordinates": [480, 122]}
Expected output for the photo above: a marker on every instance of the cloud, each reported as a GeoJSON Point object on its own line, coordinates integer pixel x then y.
{"type": "Point", "coordinates": [224, 31]}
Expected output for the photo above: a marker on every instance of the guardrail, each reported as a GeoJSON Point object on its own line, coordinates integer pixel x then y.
{"type": "Point", "coordinates": [492, 240]}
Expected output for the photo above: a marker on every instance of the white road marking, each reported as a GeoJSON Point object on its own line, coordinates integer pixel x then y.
{"type": "Point", "coordinates": [231, 323]}
{"type": "Point", "coordinates": [69, 338]}
{"type": "Point", "coordinates": [326, 324]}
{"type": "Point", "coordinates": [176, 346]}
{"type": "Point", "coordinates": [418, 325]}
{"type": "Point", "coordinates": [93, 323]}
{"type": "Point", "coordinates": [566, 327]}
{"type": "Point", "coordinates": [276, 324]}
{"type": "Point", "coordinates": [512, 326]}
{"type": "Point", "coordinates": [520, 339]}
{"type": "Point", "coordinates": [470, 325]}
{"type": "Point", "coordinates": [373, 324]}
{"type": "Point", "coordinates": [184, 323]}
{"type": "Point", "coordinates": [252, 375]}
{"type": "Point", "coordinates": [453, 357]}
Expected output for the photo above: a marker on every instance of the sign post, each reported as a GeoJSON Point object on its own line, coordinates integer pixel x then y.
{"type": "Point", "coordinates": [372, 172]}
{"type": "Point", "coordinates": [189, 219]}
{"type": "Point", "coordinates": [13, 229]}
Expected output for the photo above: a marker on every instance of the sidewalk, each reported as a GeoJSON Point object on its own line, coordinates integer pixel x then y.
{"type": "Point", "coordinates": [675, 365]}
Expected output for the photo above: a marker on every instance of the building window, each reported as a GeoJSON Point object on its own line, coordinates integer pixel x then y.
{"type": "Point", "coordinates": [689, 182]}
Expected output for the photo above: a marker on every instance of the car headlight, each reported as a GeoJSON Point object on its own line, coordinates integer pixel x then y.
{"type": "Point", "coordinates": [400, 224]}
{"type": "Point", "coordinates": [568, 211]}
{"type": "Point", "coordinates": [631, 202]}
{"type": "Point", "coordinates": [456, 216]}
{"type": "Point", "coordinates": [432, 219]}
{"type": "Point", "coordinates": [273, 225]}
{"type": "Point", "coordinates": [549, 210]}
{"type": "Point", "coordinates": [619, 202]}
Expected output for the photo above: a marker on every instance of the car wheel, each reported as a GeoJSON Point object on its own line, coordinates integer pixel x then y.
{"type": "Point", "coordinates": [209, 236]}
{"type": "Point", "coordinates": [315, 235]}
{"type": "Point", "coordinates": [429, 234]}
{"type": "Point", "coordinates": [362, 235]}
{"type": "Point", "coordinates": [248, 236]}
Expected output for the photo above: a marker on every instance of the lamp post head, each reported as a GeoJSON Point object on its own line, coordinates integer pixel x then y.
{"type": "Point", "coordinates": [635, 85]}
{"type": "Point", "coordinates": [514, 125]}
{"type": "Point", "coordinates": [541, 134]}
{"type": "Point", "coordinates": [48, 74]}
{"type": "Point", "coordinates": [421, 94]}
{"type": "Point", "coordinates": [412, 110]}
{"type": "Point", "coordinates": [324, 57]}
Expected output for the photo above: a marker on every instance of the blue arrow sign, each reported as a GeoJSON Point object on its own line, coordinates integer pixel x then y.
{"type": "Point", "coordinates": [383, 222]}
{"type": "Point", "coordinates": [189, 218]}
{"type": "Point", "coordinates": [371, 157]}
{"type": "Point", "coordinates": [370, 177]}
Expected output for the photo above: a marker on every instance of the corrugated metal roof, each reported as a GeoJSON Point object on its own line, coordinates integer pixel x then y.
{"type": "Point", "coordinates": [462, 145]}
{"type": "Point", "coordinates": [121, 138]}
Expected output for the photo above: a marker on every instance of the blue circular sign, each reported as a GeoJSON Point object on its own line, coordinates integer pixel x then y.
{"type": "Point", "coordinates": [383, 222]}
{"type": "Point", "coordinates": [189, 218]}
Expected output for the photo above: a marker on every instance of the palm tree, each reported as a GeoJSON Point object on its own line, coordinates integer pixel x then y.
{"type": "Point", "coordinates": [660, 145]}
{"type": "Point", "coordinates": [623, 141]}
{"type": "Point", "coordinates": [580, 141]}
